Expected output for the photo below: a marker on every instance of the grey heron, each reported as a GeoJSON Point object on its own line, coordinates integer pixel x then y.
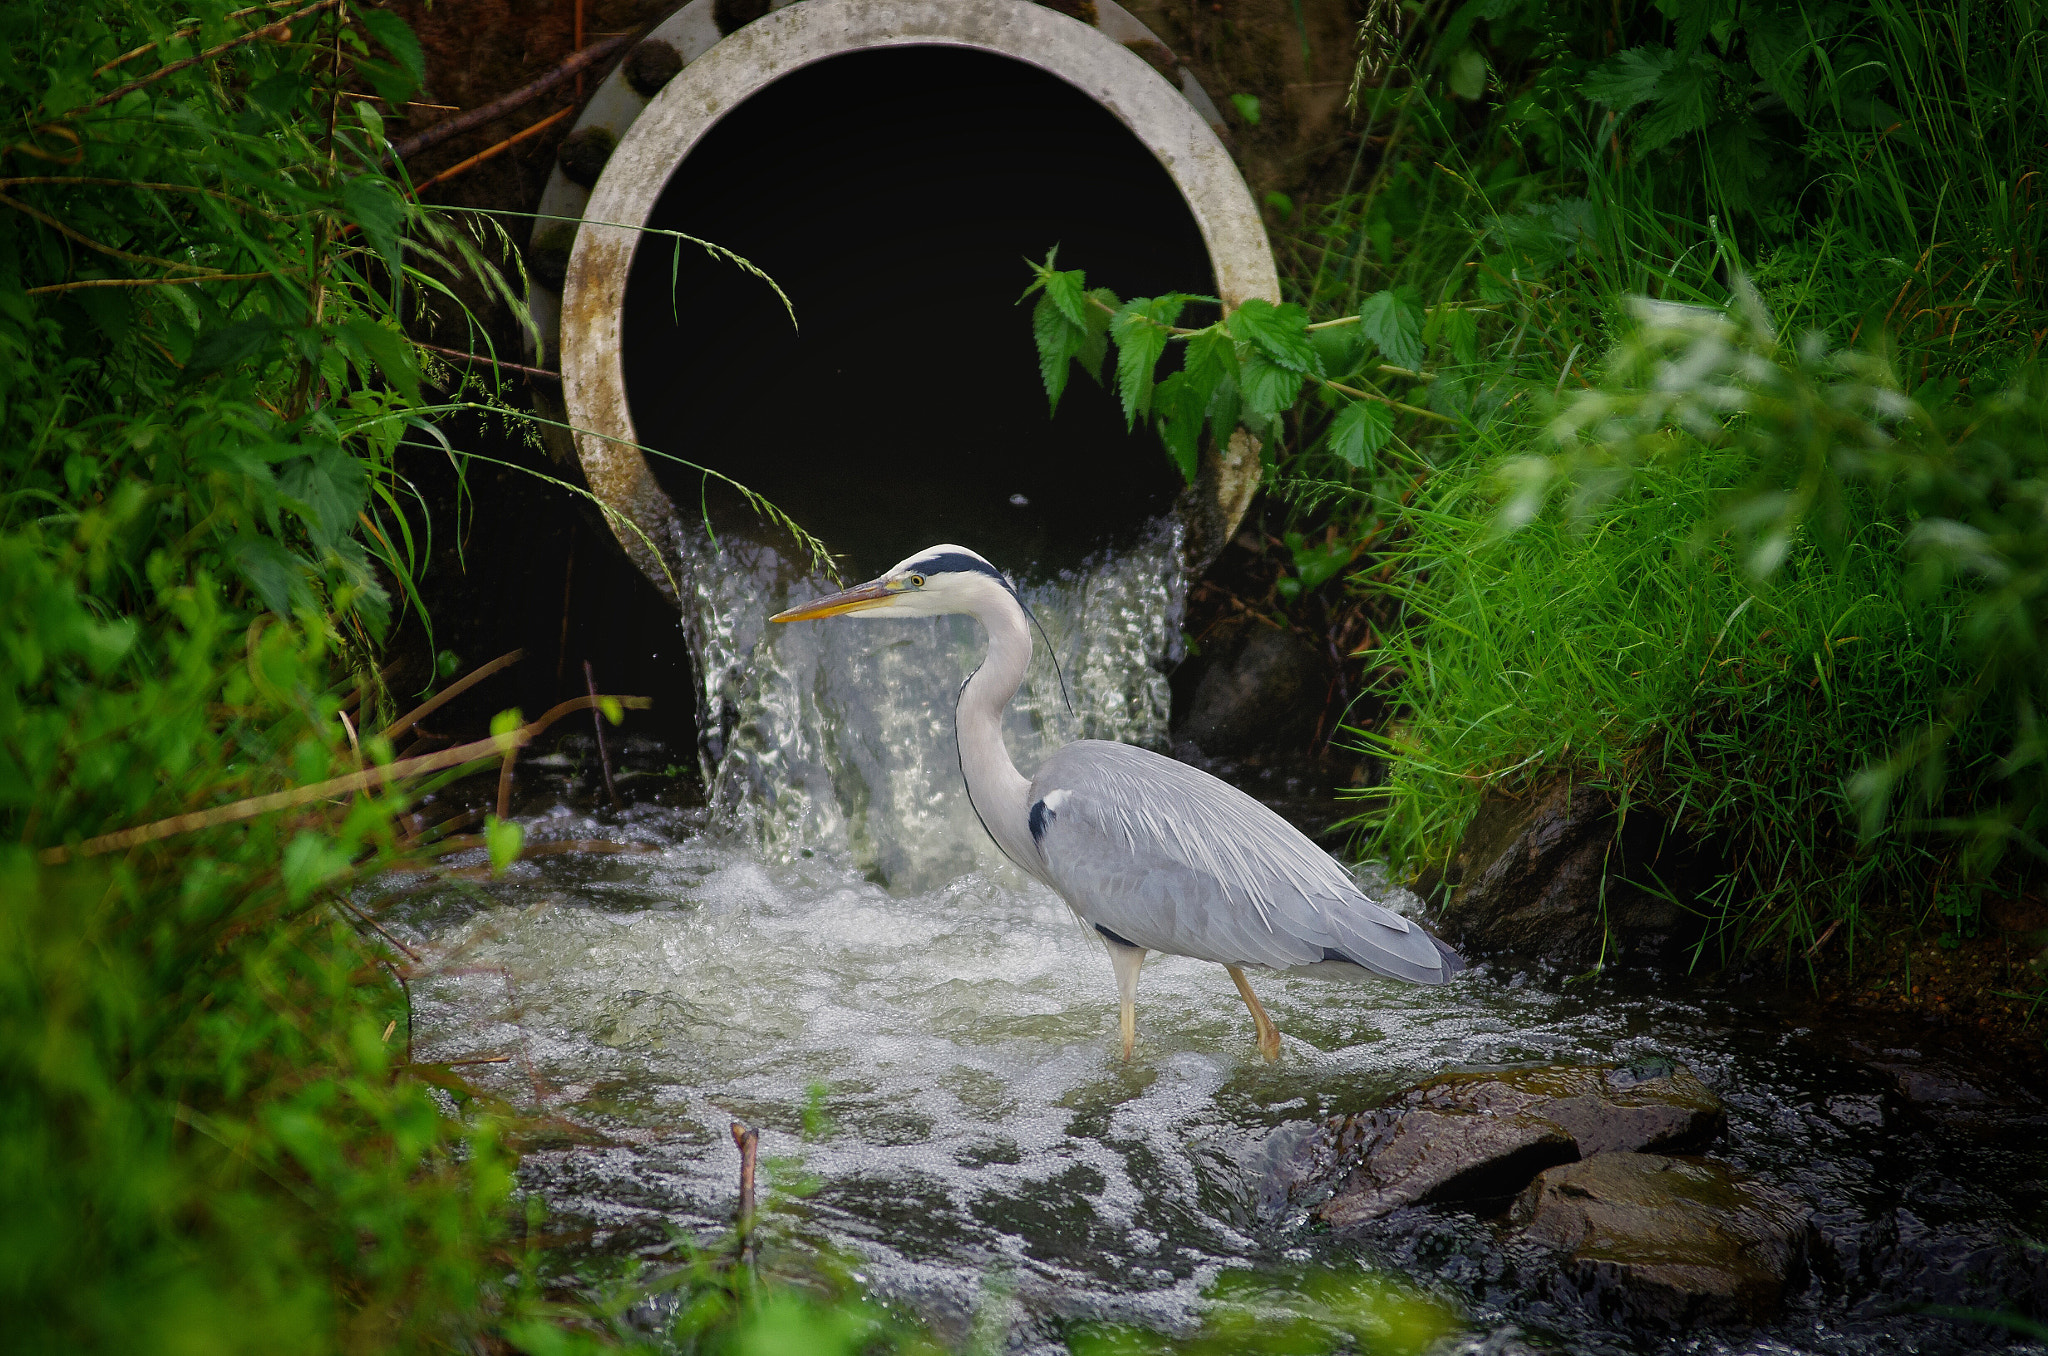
{"type": "Point", "coordinates": [1153, 854]}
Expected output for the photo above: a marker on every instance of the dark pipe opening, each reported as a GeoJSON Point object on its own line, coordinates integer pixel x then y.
{"type": "Point", "coordinates": [894, 195]}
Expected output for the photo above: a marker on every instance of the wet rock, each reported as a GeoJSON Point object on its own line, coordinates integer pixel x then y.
{"type": "Point", "coordinates": [1479, 1136]}
{"type": "Point", "coordinates": [1667, 1241]}
{"type": "Point", "coordinates": [1262, 686]}
{"type": "Point", "coordinates": [1420, 1157]}
{"type": "Point", "coordinates": [583, 154]}
{"type": "Point", "coordinates": [650, 65]}
{"type": "Point", "coordinates": [1546, 874]}
{"type": "Point", "coordinates": [1604, 1108]}
{"type": "Point", "coordinates": [1957, 1091]}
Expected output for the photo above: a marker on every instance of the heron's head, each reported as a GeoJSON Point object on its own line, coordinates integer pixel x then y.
{"type": "Point", "coordinates": [935, 581]}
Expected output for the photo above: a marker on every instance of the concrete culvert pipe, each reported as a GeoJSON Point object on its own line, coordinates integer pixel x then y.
{"type": "Point", "coordinates": [889, 163]}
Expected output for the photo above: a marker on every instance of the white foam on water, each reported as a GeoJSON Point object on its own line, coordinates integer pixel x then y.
{"type": "Point", "coordinates": [849, 927]}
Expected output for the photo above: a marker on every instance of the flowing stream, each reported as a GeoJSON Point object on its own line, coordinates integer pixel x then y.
{"type": "Point", "coordinates": [834, 931]}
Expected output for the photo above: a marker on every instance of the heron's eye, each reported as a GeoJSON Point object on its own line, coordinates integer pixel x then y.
{"type": "Point", "coordinates": [917, 581]}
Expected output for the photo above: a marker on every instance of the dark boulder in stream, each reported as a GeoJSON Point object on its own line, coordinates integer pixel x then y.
{"type": "Point", "coordinates": [1551, 874]}
{"type": "Point", "coordinates": [1261, 686]}
{"type": "Point", "coordinates": [1483, 1136]}
{"type": "Point", "coordinates": [1669, 1242]}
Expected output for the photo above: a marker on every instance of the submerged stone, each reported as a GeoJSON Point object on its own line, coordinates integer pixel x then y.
{"type": "Point", "coordinates": [1674, 1242]}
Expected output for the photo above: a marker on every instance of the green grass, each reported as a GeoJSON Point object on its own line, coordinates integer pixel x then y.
{"type": "Point", "coordinates": [1673, 618]}
{"type": "Point", "coordinates": [1633, 652]}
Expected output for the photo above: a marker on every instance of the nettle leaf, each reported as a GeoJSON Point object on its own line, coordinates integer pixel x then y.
{"type": "Point", "coordinates": [1268, 387]}
{"type": "Point", "coordinates": [373, 204]}
{"type": "Point", "coordinates": [1361, 430]}
{"type": "Point", "coordinates": [1778, 49]}
{"type": "Point", "coordinates": [1059, 342]}
{"type": "Point", "coordinates": [310, 860]}
{"type": "Point", "coordinates": [393, 36]}
{"type": "Point", "coordinates": [330, 485]}
{"type": "Point", "coordinates": [1140, 330]}
{"type": "Point", "coordinates": [1685, 100]}
{"type": "Point", "coordinates": [1339, 350]}
{"type": "Point", "coordinates": [1628, 78]}
{"type": "Point", "coordinates": [1210, 360]}
{"type": "Point", "coordinates": [1460, 333]}
{"type": "Point", "coordinates": [384, 350]}
{"type": "Point", "coordinates": [1278, 332]}
{"type": "Point", "coordinates": [1068, 291]}
{"type": "Point", "coordinates": [504, 838]}
{"type": "Point", "coordinates": [230, 346]}
{"type": "Point", "coordinates": [1226, 411]}
{"type": "Point", "coordinates": [1181, 403]}
{"type": "Point", "coordinates": [1102, 304]}
{"type": "Point", "coordinates": [1395, 326]}
{"type": "Point", "coordinates": [277, 576]}
{"type": "Point", "coordinates": [279, 96]}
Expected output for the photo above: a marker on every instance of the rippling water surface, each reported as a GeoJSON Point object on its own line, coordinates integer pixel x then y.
{"type": "Point", "coordinates": [836, 920]}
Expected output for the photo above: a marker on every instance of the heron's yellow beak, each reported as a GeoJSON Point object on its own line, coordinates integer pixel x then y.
{"type": "Point", "coordinates": [860, 598]}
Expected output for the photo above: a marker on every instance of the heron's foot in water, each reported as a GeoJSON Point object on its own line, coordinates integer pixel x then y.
{"type": "Point", "coordinates": [1269, 1035]}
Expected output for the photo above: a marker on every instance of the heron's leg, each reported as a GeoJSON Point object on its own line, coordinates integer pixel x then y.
{"type": "Point", "coordinates": [1269, 1035]}
{"type": "Point", "coordinates": [1126, 960]}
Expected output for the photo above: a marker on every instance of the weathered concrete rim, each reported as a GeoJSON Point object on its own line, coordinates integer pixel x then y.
{"type": "Point", "coordinates": [756, 56]}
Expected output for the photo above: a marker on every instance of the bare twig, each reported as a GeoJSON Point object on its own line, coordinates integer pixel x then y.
{"type": "Point", "coordinates": [454, 690]}
{"type": "Point", "coordinates": [604, 759]}
{"type": "Point", "coordinates": [481, 360]}
{"type": "Point", "coordinates": [367, 779]}
{"type": "Point", "coordinates": [505, 784]}
{"type": "Point", "coordinates": [507, 144]}
{"type": "Point", "coordinates": [91, 244]}
{"type": "Point", "coordinates": [1357, 394]}
{"type": "Point", "coordinates": [146, 47]}
{"type": "Point", "coordinates": [748, 1141]}
{"type": "Point", "coordinates": [146, 282]}
{"type": "Point", "coordinates": [1822, 940]}
{"type": "Point", "coordinates": [281, 27]}
{"type": "Point", "coordinates": [518, 98]}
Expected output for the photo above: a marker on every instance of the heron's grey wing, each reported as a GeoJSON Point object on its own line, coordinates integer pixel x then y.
{"type": "Point", "coordinates": [1167, 857]}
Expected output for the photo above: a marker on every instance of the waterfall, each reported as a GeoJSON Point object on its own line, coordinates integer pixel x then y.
{"type": "Point", "coordinates": [837, 736]}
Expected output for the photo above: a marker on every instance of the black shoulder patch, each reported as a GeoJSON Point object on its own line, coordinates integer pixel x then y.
{"type": "Point", "coordinates": [1041, 819]}
{"type": "Point", "coordinates": [1331, 953]}
{"type": "Point", "coordinates": [1120, 941]}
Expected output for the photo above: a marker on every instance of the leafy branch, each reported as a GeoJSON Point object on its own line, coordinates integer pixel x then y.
{"type": "Point", "coordinates": [1250, 368]}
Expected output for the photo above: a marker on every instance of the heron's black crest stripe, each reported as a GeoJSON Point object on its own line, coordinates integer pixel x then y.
{"type": "Point", "coordinates": [1120, 941]}
{"type": "Point", "coordinates": [1041, 819]}
{"type": "Point", "coordinates": [956, 562]}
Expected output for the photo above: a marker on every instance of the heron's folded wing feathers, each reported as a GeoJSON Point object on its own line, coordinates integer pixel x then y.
{"type": "Point", "coordinates": [1174, 860]}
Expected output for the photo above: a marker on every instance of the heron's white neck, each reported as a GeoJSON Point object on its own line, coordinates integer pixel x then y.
{"type": "Point", "coordinates": [1000, 793]}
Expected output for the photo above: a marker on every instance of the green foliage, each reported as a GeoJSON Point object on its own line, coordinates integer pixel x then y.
{"type": "Point", "coordinates": [1746, 464]}
{"type": "Point", "coordinates": [212, 1136]}
{"type": "Point", "coordinates": [1304, 1312]}
{"type": "Point", "coordinates": [1246, 370]}
{"type": "Point", "coordinates": [1527, 286]}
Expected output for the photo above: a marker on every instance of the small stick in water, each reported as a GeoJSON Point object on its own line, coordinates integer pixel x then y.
{"type": "Point", "coordinates": [748, 1141]}
{"type": "Point", "coordinates": [604, 760]}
